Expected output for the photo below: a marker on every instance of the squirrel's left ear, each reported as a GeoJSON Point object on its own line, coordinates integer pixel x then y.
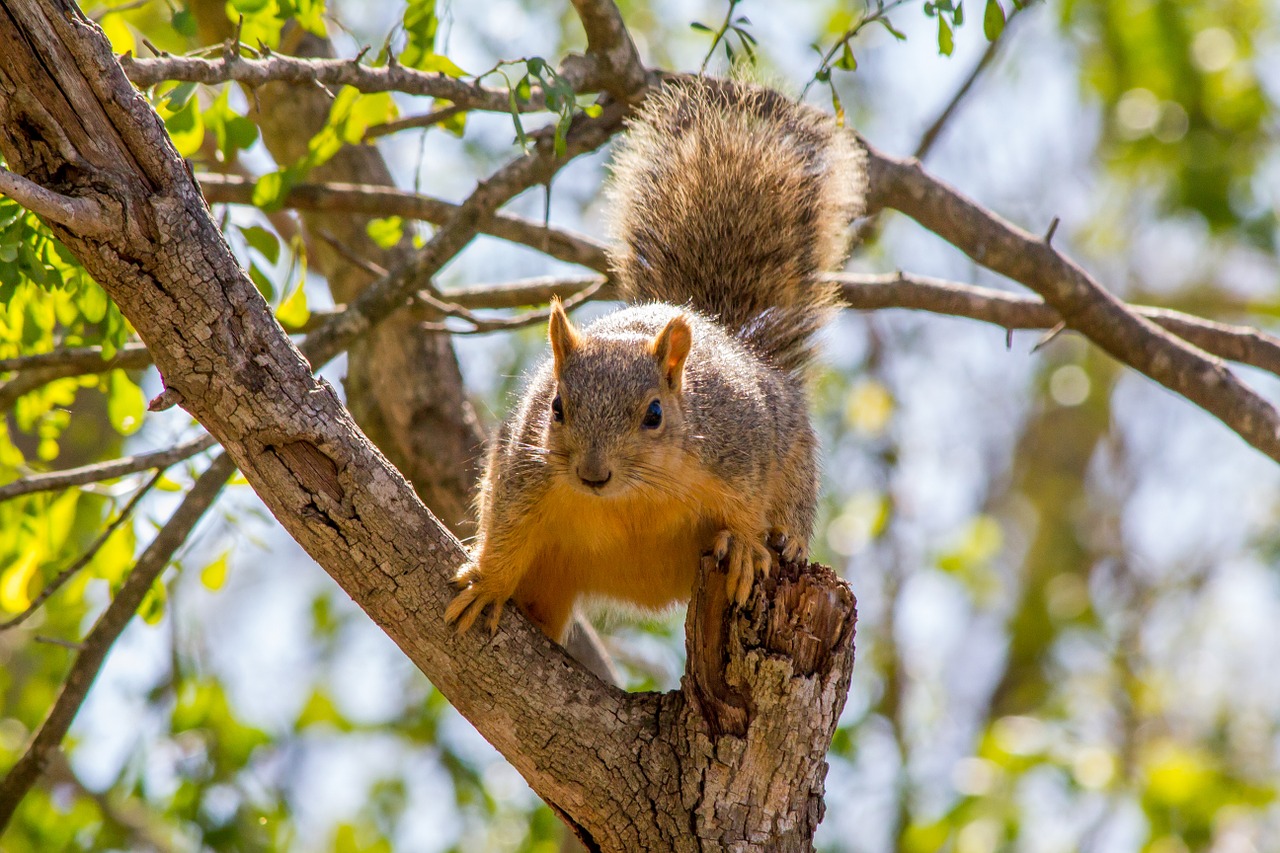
{"type": "Point", "coordinates": [563, 334]}
{"type": "Point", "coordinates": [671, 348]}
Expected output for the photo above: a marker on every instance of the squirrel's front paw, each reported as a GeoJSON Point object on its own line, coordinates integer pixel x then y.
{"type": "Point", "coordinates": [747, 556]}
{"type": "Point", "coordinates": [477, 593]}
{"type": "Point", "coordinates": [792, 549]}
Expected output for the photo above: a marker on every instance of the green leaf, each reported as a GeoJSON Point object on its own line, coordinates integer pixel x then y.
{"type": "Point", "coordinates": [179, 96]}
{"type": "Point", "coordinates": [262, 282]}
{"type": "Point", "coordinates": [847, 61]}
{"type": "Point", "coordinates": [270, 191]}
{"type": "Point", "coordinates": [701, 27]}
{"type": "Point", "coordinates": [958, 17]}
{"type": "Point", "coordinates": [946, 43]}
{"type": "Point", "coordinates": [420, 24]}
{"type": "Point", "coordinates": [214, 575]}
{"type": "Point", "coordinates": [293, 311]}
{"type": "Point", "coordinates": [265, 242]}
{"type": "Point", "coordinates": [125, 403]}
{"type": "Point", "coordinates": [184, 22]}
{"type": "Point", "coordinates": [438, 63]}
{"type": "Point", "coordinates": [993, 20]}
{"type": "Point", "coordinates": [153, 604]}
{"type": "Point", "coordinates": [387, 232]}
{"type": "Point", "coordinates": [893, 31]}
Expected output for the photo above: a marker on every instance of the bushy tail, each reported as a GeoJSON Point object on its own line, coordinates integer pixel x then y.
{"type": "Point", "coordinates": [731, 198]}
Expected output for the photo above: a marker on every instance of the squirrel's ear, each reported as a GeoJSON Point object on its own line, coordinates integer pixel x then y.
{"type": "Point", "coordinates": [564, 336]}
{"type": "Point", "coordinates": [671, 348]}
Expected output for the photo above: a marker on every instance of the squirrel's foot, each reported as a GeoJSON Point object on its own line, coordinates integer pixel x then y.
{"type": "Point", "coordinates": [791, 548]}
{"type": "Point", "coordinates": [471, 601]}
{"type": "Point", "coordinates": [747, 557]}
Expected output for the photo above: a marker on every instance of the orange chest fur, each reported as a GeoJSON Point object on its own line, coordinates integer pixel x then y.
{"type": "Point", "coordinates": [642, 548]}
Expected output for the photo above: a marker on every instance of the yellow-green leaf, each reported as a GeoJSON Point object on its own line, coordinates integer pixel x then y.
{"type": "Point", "coordinates": [17, 583]}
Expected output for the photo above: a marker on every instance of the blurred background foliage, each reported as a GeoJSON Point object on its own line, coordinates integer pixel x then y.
{"type": "Point", "coordinates": [1069, 599]}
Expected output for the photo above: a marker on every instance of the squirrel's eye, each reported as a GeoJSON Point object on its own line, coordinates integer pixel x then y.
{"type": "Point", "coordinates": [557, 410]}
{"type": "Point", "coordinates": [652, 416]}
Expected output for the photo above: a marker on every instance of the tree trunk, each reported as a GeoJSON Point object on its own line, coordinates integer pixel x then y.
{"type": "Point", "coordinates": [732, 761]}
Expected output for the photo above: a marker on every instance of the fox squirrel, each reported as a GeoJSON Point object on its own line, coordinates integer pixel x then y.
{"type": "Point", "coordinates": [677, 425]}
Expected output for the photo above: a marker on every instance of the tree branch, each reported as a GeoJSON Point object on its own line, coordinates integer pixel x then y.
{"type": "Point", "coordinates": [156, 459]}
{"type": "Point", "coordinates": [109, 626]}
{"type": "Point", "coordinates": [1013, 311]}
{"type": "Point", "coordinates": [386, 201]}
{"type": "Point", "coordinates": [609, 43]}
{"type": "Point", "coordinates": [81, 214]}
{"type": "Point", "coordinates": [35, 371]}
{"type": "Point", "coordinates": [1083, 304]}
{"type": "Point", "coordinates": [327, 72]}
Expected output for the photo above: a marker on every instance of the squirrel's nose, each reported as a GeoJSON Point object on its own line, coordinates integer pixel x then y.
{"type": "Point", "coordinates": [595, 476]}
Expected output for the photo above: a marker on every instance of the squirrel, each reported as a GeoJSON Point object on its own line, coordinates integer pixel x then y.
{"type": "Point", "coordinates": [678, 425]}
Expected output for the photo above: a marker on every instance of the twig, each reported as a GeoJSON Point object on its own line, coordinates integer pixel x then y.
{"type": "Point", "coordinates": [70, 571]}
{"type": "Point", "coordinates": [105, 631]}
{"type": "Point", "coordinates": [934, 131]}
{"type": "Point", "coordinates": [385, 201]}
{"type": "Point", "coordinates": [481, 325]}
{"type": "Point", "coordinates": [100, 471]}
{"type": "Point", "coordinates": [425, 120]}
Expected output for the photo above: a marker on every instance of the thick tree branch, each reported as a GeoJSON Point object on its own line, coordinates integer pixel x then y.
{"type": "Point", "coordinates": [1083, 304]}
{"type": "Point", "coordinates": [387, 201]}
{"type": "Point", "coordinates": [99, 471]}
{"type": "Point", "coordinates": [109, 626]}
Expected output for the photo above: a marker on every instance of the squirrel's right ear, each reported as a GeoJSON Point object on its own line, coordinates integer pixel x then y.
{"type": "Point", "coordinates": [563, 334]}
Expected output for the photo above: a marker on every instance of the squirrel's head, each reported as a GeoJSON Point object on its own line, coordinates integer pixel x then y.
{"type": "Point", "coordinates": [616, 408]}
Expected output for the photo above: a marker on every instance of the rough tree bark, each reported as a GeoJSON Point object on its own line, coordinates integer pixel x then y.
{"type": "Point", "coordinates": [733, 760]}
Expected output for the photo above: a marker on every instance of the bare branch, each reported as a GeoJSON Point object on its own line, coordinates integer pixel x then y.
{"type": "Point", "coordinates": [70, 571]}
{"type": "Point", "coordinates": [35, 371]}
{"type": "Point", "coordinates": [105, 631]}
{"type": "Point", "coordinates": [80, 360]}
{"type": "Point", "coordinates": [325, 72]}
{"type": "Point", "coordinates": [96, 473]}
{"type": "Point", "coordinates": [1013, 311]}
{"type": "Point", "coordinates": [385, 201]}
{"type": "Point", "coordinates": [424, 120]}
{"type": "Point", "coordinates": [1084, 305]}
{"type": "Point", "coordinates": [84, 215]}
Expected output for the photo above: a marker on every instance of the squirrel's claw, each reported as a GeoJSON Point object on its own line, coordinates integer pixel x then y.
{"type": "Point", "coordinates": [791, 549]}
{"type": "Point", "coordinates": [747, 558]}
{"type": "Point", "coordinates": [467, 606]}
